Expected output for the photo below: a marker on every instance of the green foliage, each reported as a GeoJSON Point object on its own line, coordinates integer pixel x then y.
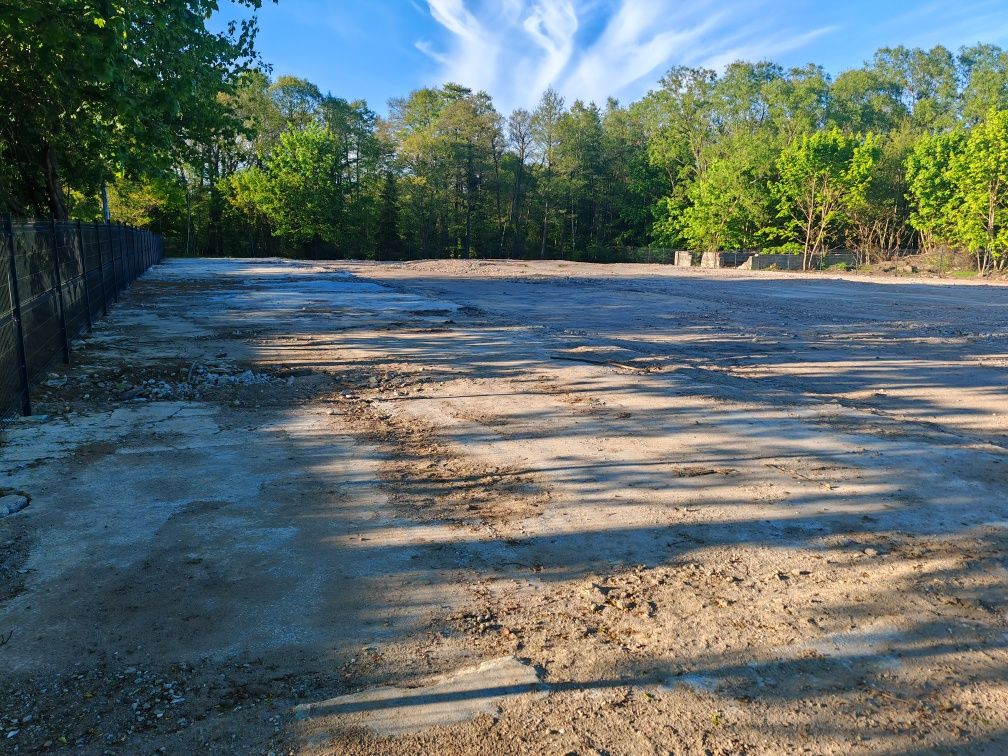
{"type": "Point", "coordinates": [91, 91]}
{"type": "Point", "coordinates": [298, 188]}
{"type": "Point", "coordinates": [730, 204]}
{"type": "Point", "coordinates": [984, 69]}
{"type": "Point", "coordinates": [979, 174]}
{"type": "Point", "coordinates": [195, 140]}
{"type": "Point", "coordinates": [931, 189]}
{"type": "Point", "coordinates": [822, 177]}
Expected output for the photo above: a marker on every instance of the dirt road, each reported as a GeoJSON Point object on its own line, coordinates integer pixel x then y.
{"type": "Point", "coordinates": [665, 510]}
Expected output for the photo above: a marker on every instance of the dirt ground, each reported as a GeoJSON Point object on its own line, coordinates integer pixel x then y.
{"type": "Point", "coordinates": [714, 512]}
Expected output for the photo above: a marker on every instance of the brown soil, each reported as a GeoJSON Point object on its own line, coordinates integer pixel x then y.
{"type": "Point", "coordinates": [718, 512]}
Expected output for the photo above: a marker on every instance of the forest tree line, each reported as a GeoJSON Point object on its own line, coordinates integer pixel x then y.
{"type": "Point", "coordinates": [192, 136]}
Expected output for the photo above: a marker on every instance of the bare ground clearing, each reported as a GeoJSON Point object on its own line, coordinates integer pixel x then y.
{"type": "Point", "coordinates": [706, 512]}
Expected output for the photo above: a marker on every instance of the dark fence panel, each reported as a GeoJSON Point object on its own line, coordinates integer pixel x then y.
{"type": "Point", "coordinates": [56, 280]}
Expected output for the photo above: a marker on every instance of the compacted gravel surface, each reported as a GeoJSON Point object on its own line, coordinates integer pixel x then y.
{"type": "Point", "coordinates": [703, 511]}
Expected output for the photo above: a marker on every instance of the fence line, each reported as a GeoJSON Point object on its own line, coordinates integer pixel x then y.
{"type": "Point", "coordinates": [59, 278]}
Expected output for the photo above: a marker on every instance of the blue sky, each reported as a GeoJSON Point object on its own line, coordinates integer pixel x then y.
{"type": "Point", "coordinates": [374, 49]}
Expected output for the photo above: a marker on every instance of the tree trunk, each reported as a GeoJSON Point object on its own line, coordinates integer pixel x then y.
{"type": "Point", "coordinates": [57, 202]}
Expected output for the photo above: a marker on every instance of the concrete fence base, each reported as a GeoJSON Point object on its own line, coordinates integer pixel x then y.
{"type": "Point", "coordinates": [724, 259]}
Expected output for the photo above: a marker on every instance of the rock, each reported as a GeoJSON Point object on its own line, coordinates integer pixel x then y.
{"type": "Point", "coordinates": [871, 552]}
{"type": "Point", "coordinates": [12, 503]}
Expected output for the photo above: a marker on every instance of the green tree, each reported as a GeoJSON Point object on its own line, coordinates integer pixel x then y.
{"type": "Point", "coordinates": [581, 165]}
{"type": "Point", "coordinates": [930, 188]}
{"type": "Point", "coordinates": [298, 189]}
{"type": "Point", "coordinates": [979, 175]}
{"type": "Point", "coordinates": [863, 100]}
{"type": "Point", "coordinates": [544, 124]}
{"type": "Point", "coordinates": [730, 205]}
{"type": "Point", "coordinates": [822, 176]}
{"type": "Point", "coordinates": [984, 72]}
{"type": "Point", "coordinates": [449, 143]}
{"type": "Point", "coordinates": [388, 241]}
{"type": "Point", "coordinates": [519, 132]}
{"type": "Point", "coordinates": [95, 90]}
{"type": "Point", "coordinates": [925, 83]}
{"type": "Point", "coordinates": [630, 185]}
{"type": "Point", "coordinates": [878, 220]}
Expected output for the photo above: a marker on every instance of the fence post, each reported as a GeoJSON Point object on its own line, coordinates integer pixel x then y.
{"type": "Point", "coordinates": [83, 262]}
{"type": "Point", "coordinates": [59, 291]}
{"type": "Point", "coordinates": [15, 298]}
{"type": "Point", "coordinates": [111, 247]}
{"type": "Point", "coordinates": [120, 284]}
{"type": "Point", "coordinates": [127, 257]}
{"type": "Point", "coordinates": [131, 252]}
{"type": "Point", "coordinates": [101, 271]}
{"type": "Point", "coordinates": [124, 240]}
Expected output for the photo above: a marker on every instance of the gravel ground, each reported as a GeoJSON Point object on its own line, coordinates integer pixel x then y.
{"type": "Point", "coordinates": [717, 512]}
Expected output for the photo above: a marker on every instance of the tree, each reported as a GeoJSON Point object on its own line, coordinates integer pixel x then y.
{"type": "Point", "coordinates": [298, 188]}
{"type": "Point", "coordinates": [92, 90]}
{"type": "Point", "coordinates": [984, 72]}
{"type": "Point", "coordinates": [930, 188]}
{"type": "Point", "coordinates": [925, 83]}
{"type": "Point", "coordinates": [580, 164]}
{"type": "Point", "coordinates": [730, 205]}
{"type": "Point", "coordinates": [878, 220]}
{"type": "Point", "coordinates": [519, 129]}
{"type": "Point", "coordinates": [979, 174]}
{"type": "Point", "coordinates": [680, 121]}
{"type": "Point", "coordinates": [798, 102]}
{"type": "Point", "coordinates": [863, 100]}
{"type": "Point", "coordinates": [545, 119]}
{"type": "Point", "coordinates": [822, 176]}
{"type": "Point", "coordinates": [630, 185]}
{"type": "Point", "coordinates": [388, 242]}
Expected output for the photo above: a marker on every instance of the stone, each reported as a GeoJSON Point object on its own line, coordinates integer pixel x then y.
{"type": "Point", "coordinates": [12, 503]}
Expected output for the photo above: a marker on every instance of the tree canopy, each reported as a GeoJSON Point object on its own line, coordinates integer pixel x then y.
{"type": "Point", "coordinates": [92, 91]}
{"type": "Point", "coordinates": [194, 136]}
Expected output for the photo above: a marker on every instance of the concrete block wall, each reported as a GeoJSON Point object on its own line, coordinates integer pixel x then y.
{"type": "Point", "coordinates": [724, 259]}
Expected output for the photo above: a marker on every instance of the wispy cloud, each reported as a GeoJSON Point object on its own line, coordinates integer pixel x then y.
{"type": "Point", "coordinates": [552, 26]}
{"type": "Point", "coordinates": [592, 49]}
{"type": "Point", "coordinates": [472, 56]}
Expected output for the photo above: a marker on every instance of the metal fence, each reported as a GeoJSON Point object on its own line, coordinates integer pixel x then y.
{"type": "Point", "coordinates": [59, 278]}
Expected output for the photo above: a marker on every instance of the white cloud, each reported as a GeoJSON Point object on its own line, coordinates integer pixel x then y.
{"type": "Point", "coordinates": [592, 49]}
{"type": "Point", "coordinates": [552, 26]}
